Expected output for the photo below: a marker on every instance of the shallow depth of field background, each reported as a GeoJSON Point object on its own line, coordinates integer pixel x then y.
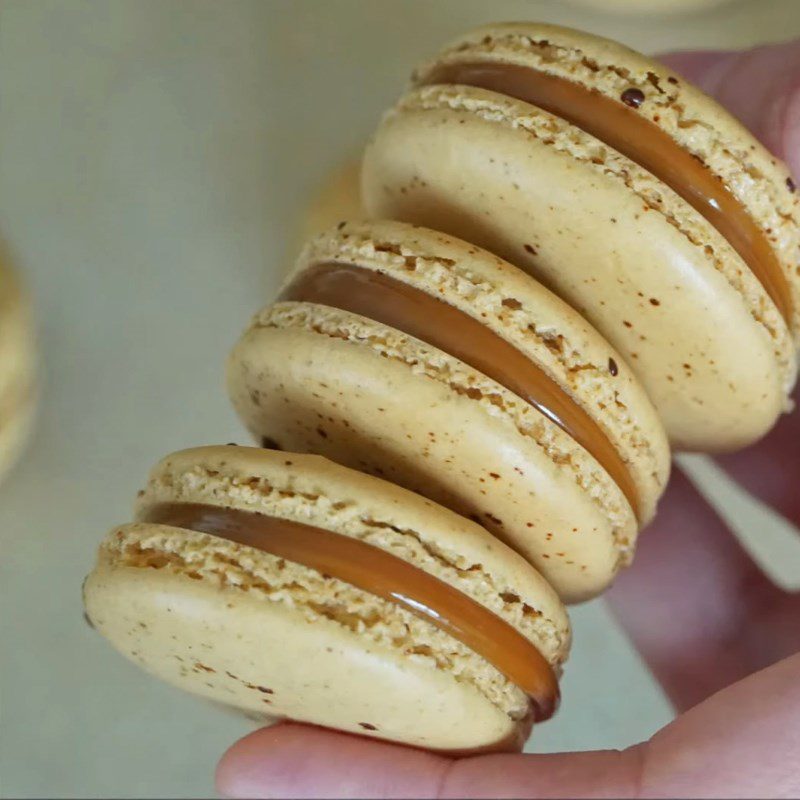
{"type": "Point", "coordinates": [154, 159]}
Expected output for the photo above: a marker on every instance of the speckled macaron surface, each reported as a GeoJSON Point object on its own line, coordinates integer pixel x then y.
{"type": "Point", "coordinates": [272, 637]}
{"type": "Point", "coordinates": [712, 341]}
{"type": "Point", "coordinates": [17, 367]}
{"type": "Point", "coordinates": [320, 375]}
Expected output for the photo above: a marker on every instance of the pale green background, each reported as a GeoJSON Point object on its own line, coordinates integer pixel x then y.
{"type": "Point", "coordinates": [154, 157]}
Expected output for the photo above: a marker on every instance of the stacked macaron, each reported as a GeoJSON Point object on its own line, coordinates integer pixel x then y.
{"type": "Point", "coordinates": [17, 366]}
{"type": "Point", "coordinates": [629, 193]}
{"type": "Point", "coordinates": [287, 585]}
{"type": "Point", "coordinates": [449, 453]}
{"type": "Point", "coordinates": [462, 424]}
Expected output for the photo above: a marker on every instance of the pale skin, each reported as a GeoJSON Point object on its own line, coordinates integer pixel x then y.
{"type": "Point", "coordinates": [721, 638]}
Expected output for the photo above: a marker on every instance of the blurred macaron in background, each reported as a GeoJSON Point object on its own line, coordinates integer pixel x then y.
{"type": "Point", "coordinates": [649, 6]}
{"type": "Point", "coordinates": [18, 378]}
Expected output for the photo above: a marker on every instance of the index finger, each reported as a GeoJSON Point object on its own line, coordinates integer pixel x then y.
{"type": "Point", "coordinates": [292, 760]}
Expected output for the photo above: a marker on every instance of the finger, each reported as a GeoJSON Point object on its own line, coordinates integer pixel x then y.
{"type": "Point", "coordinates": [742, 742]}
{"type": "Point", "coordinates": [694, 603]}
{"type": "Point", "coordinates": [297, 761]}
{"type": "Point", "coordinates": [760, 86]}
{"type": "Point", "coordinates": [700, 628]}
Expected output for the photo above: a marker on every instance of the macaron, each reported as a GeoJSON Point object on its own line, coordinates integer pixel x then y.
{"type": "Point", "coordinates": [17, 366]}
{"type": "Point", "coordinates": [647, 6]}
{"type": "Point", "coordinates": [286, 585]}
{"type": "Point", "coordinates": [630, 194]}
{"type": "Point", "coordinates": [417, 357]}
{"type": "Point", "coordinates": [338, 197]}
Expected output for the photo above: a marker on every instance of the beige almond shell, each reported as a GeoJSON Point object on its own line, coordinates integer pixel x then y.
{"type": "Point", "coordinates": [245, 628]}
{"type": "Point", "coordinates": [236, 645]}
{"type": "Point", "coordinates": [651, 275]}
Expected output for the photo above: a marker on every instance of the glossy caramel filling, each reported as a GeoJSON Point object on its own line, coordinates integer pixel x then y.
{"type": "Point", "coordinates": [414, 312]}
{"type": "Point", "coordinates": [384, 575]}
{"type": "Point", "coordinates": [642, 141]}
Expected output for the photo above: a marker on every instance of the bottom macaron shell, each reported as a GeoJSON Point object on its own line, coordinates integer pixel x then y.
{"type": "Point", "coordinates": [266, 658]}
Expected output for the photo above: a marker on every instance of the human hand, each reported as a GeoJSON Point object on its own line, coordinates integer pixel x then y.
{"type": "Point", "coordinates": [722, 639]}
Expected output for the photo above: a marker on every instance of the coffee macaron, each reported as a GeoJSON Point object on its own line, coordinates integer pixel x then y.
{"type": "Point", "coordinates": [630, 194]}
{"type": "Point", "coordinates": [17, 366]}
{"type": "Point", "coordinates": [417, 357]}
{"type": "Point", "coordinates": [338, 197]}
{"type": "Point", "coordinates": [286, 585]}
{"type": "Point", "coordinates": [649, 6]}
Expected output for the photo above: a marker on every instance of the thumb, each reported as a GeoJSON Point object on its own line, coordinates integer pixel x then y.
{"type": "Point", "coordinates": [290, 760]}
{"type": "Point", "coordinates": [740, 742]}
{"type": "Point", "coordinates": [760, 86]}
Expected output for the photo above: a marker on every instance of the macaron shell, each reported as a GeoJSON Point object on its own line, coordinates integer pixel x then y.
{"type": "Point", "coordinates": [477, 165]}
{"type": "Point", "coordinates": [382, 415]}
{"type": "Point", "coordinates": [264, 657]}
{"type": "Point", "coordinates": [760, 181]}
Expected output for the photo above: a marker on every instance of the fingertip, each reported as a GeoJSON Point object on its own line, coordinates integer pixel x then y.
{"type": "Point", "coordinates": [293, 760]}
{"type": "Point", "coordinates": [267, 762]}
{"type": "Point", "coordinates": [237, 774]}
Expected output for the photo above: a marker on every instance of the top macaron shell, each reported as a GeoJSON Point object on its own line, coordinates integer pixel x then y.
{"type": "Point", "coordinates": [238, 625]}
{"type": "Point", "coordinates": [650, 273]}
{"type": "Point", "coordinates": [317, 379]}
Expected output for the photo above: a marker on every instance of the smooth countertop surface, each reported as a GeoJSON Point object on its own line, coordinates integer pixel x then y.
{"type": "Point", "coordinates": [154, 159]}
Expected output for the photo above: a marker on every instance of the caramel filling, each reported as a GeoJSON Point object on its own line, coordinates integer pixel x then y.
{"type": "Point", "coordinates": [642, 141]}
{"type": "Point", "coordinates": [384, 575]}
{"type": "Point", "coordinates": [412, 311]}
